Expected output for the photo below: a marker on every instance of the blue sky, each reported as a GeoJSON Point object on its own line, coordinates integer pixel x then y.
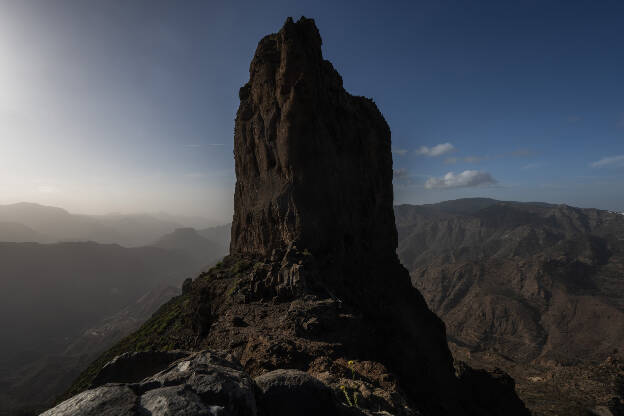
{"type": "Point", "coordinates": [129, 106]}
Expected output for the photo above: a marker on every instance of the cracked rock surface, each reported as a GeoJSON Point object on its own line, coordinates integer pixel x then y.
{"type": "Point", "coordinates": [202, 384]}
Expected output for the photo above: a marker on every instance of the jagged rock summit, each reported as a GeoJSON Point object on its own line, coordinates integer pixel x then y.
{"type": "Point", "coordinates": [313, 163]}
{"type": "Point", "coordinates": [313, 282]}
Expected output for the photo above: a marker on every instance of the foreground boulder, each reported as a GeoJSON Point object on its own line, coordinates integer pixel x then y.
{"type": "Point", "coordinates": [103, 401]}
{"type": "Point", "coordinates": [203, 383]}
{"type": "Point", "coordinates": [313, 282]}
{"type": "Point", "coordinates": [135, 366]}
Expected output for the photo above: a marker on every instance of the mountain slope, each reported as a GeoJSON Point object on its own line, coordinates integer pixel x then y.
{"type": "Point", "coordinates": [532, 283]}
{"type": "Point", "coordinates": [51, 293]}
{"type": "Point", "coordinates": [220, 235]}
{"type": "Point", "coordinates": [190, 242]}
{"type": "Point", "coordinates": [31, 387]}
{"type": "Point", "coordinates": [19, 233]}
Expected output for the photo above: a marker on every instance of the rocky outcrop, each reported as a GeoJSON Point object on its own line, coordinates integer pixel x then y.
{"type": "Point", "coordinates": [313, 163]}
{"type": "Point", "coordinates": [103, 401]}
{"type": "Point", "coordinates": [313, 282]}
{"type": "Point", "coordinates": [197, 384]}
{"type": "Point", "coordinates": [314, 176]}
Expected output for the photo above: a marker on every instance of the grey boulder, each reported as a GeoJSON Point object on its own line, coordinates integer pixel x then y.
{"type": "Point", "coordinates": [293, 392]}
{"type": "Point", "coordinates": [110, 400]}
{"type": "Point", "coordinates": [199, 384]}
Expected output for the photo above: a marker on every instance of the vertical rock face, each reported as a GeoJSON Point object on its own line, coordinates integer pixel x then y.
{"type": "Point", "coordinates": [314, 172]}
{"type": "Point", "coordinates": [313, 163]}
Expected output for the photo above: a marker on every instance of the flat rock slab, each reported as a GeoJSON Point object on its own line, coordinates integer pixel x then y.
{"type": "Point", "coordinates": [108, 400]}
{"type": "Point", "coordinates": [199, 384]}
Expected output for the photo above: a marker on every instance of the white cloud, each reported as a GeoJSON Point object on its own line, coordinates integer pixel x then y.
{"type": "Point", "coordinates": [464, 179]}
{"type": "Point", "coordinates": [400, 152]}
{"type": "Point", "coordinates": [608, 161]}
{"type": "Point", "coordinates": [437, 150]}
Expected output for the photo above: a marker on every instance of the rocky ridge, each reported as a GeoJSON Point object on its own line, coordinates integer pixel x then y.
{"type": "Point", "coordinates": [313, 282]}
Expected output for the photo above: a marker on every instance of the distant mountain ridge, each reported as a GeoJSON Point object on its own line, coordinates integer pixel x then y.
{"type": "Point", "coordinates": [534, 284]}
{"type": "Point", "coordinates": [188, 240]}
{"type": "Point", "coordinates": [219, 234]}
{"type": "Point", "coordinates": [52, 224]}
{"type": "Point", "coordinates": [19, 233]}
{"type": "Point", "coordinates": [87, 285]}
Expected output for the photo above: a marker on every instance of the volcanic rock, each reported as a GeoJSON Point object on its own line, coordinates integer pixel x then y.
{"type": "Point", "coordinates": [313, 163]}
{"type": "Point", "coordinates": [313, 282]}
{"type": "Point", "coordinates": [107, 400]}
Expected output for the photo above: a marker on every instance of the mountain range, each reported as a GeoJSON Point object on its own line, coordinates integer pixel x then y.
{"type": "Point", "coordinates": [331, 300]}
{"type": "Point", "coordinates": [29, 222]}
{"type": "Point", "coordinates": [534, 288]}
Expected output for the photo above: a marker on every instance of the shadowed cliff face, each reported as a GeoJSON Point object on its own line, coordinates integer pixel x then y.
{"type": "Point", "coordinates": [314, 175]}
{"type": "Point", "coordinates": [313, 163]}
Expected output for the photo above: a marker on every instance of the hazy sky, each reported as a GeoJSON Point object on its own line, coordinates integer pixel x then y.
{"type": "Point", "coordinates": [111, 105]}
